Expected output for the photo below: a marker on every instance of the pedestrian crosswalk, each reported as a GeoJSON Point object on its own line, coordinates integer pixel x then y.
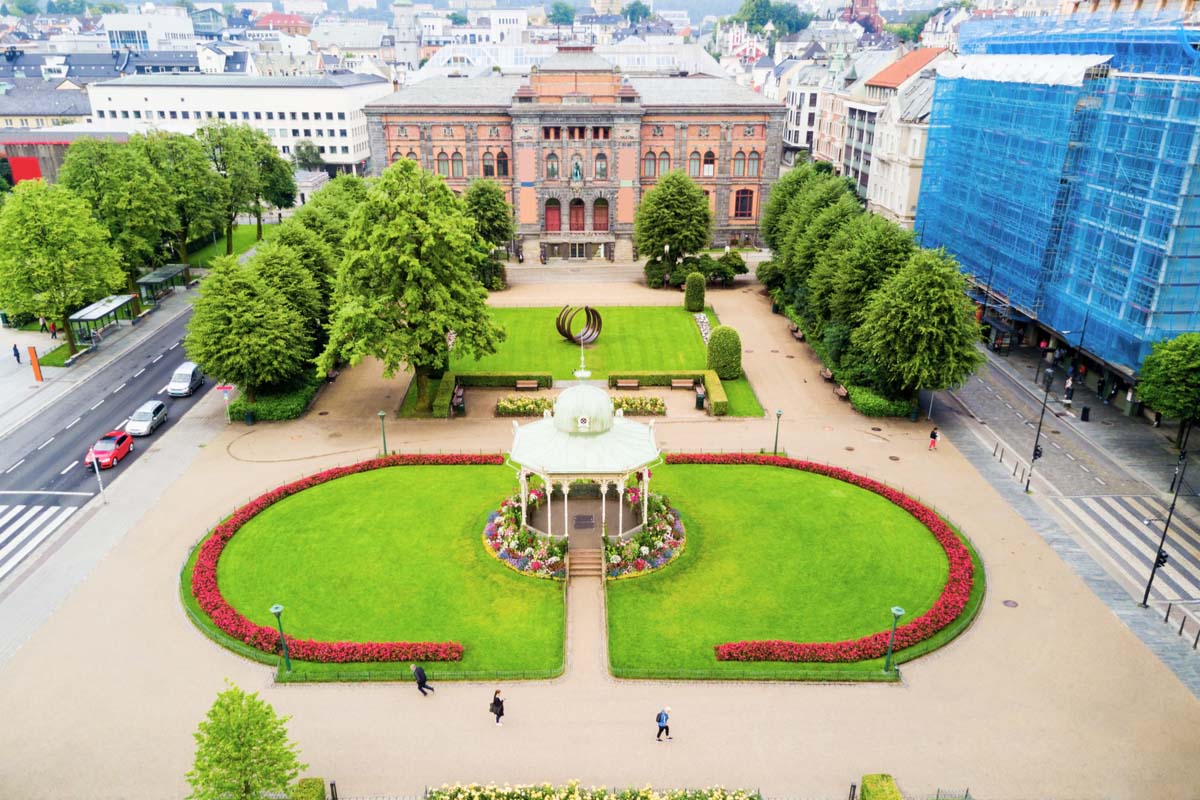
{"type": "Point", "coordinates": [24, 527]}
{"type": "Point", "coordinates": [1116, 526]}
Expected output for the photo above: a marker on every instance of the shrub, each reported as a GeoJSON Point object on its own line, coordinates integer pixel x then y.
{"type": "Point", "coordinates": [836, 338]}
{"type": "Point", "coordinates": [445, 392]}
{"type": "Point", "coordinates": [725, 353]}
{"type": "Point", "coordinates": [880, 787]}
{"type": "Point", "coordinates": [640, 405]}
{"type": "Point", "coordinates": [770, 275]}
{"type": "Point", "coordinates": [655, 270]}
{"type": "Point", "coordinates": [523, 406]}
{"type": "Point", "coordinates": [867, 402]}
{"type": "Point", "coordinates": [733, 262]}
{"type": "Point", "coordinates": [272, 406]}
{"type": "Point", "coordinates": [718, 401]}
{"type": "Point", "coordinates": [693, 298]}
{"type": "Point", "coordinates": [308, 789]}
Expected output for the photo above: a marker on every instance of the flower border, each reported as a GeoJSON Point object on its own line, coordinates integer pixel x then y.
{"type": "Point", "coordinates": [623, 570]}
{"type": "Point", "coordinates": [493, 542]}
{"type": "Point", "coordinates": [951, 603]}
{"type": "Point", "coordinates": [265, 638]}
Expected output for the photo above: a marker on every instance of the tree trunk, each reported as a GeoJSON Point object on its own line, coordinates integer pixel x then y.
{"type": "Point", "coordinates": [70, 333]}
{"type": "Point", "coordinates": [181, 247]}
{"type": "Point", "coordinates": [258, 212]}
{"type": "Point", "coordinates": [229, 237]}
{"type": "Point", "coordinates": [249, 394]}
{"type": "Point", "coordinates": [421, 376]}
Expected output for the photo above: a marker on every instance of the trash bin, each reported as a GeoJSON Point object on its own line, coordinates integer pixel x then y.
{"type": "Point", "coordinates": [1085, 413]}
{"type": "Point", "coordinates": [700, 397]}
{"type": "Point", "coordinates": [249, 418]}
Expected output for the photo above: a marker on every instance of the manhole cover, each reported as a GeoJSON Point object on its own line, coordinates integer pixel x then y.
{"type": "Point", "coordinates": [893, 458]}
{"type": "Point", "coordinates": [774, 351]}
{"type": "Point", "coordinates": [848, 447]}
{"type": "Point", "coordinates": [789, 356]}
{"type": "Point", "coordinates": [747, 351]}
{"type": "Point", "coordinates": [877, 430]}
{"type": "Point", "coordinates": [585, 522]}
{"type": "Point", "coordinates": [1010, 603]}
{"type": "Point", "coordinates": [322, 413]}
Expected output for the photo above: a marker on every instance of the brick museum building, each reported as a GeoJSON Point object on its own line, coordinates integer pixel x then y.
{"type": "Point", "coordinates": [575, 144]}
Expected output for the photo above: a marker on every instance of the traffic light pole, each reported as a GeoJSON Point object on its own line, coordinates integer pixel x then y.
{"type": "Point", "coordinates": [1160, 556]}
{"type": "Point", "coordinates": [1037, 439]}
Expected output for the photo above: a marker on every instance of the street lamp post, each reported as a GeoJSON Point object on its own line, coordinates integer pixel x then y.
{"type": "Point", "coordinates": [1160, 556]}
{"type": "Point", "coordinates": [1037, 438]}
{"type": "Point", "coordinates": [897, 613]}
{"type": "Point", "coordinates": [383, 431]}
{"type": "Point", "coordinates": [96, 467]}
{"type": "Point", "coordinates": [277, 610]}
{"type": "Point", "coordinates": [778, 416]}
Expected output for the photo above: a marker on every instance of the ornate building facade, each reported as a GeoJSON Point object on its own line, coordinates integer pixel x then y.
{"type": "Point", "coordinates": [575, 144]}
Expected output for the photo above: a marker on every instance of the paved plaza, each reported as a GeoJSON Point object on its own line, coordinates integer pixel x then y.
{"type": "Point", "coordinates": [1051, 695]}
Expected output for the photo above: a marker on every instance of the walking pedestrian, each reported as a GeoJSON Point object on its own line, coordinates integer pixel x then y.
{"type": "Point", "coordinates": [933, 438]}
{"type": "Point", "coordinates": [16, 354]}
{"type": "Point", "coordinates": [53, 331]}
{"type": "Point", "coordinates": [663, 719]}
{"type": "Point", "coordinates": [1068, 390]}
{"type": "Point", "coordinates": [422, 681]}
{"type": "Point", "coordinates": [497, 706]}
{"type": "Point", "coordinates": [42, 322]}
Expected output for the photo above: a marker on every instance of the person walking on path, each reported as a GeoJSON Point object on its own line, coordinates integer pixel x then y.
{"type": "Point", "coordinates": [422, 681]}
{"type": "Point", "coordinates": [42, 322]}
{"type": "Point", "coordinates": [663, 719]}
{"type": "Point", "coordinates": [53, 331]}
{"type": "Point", "coordinates": [497, 706]}
{"type": "Point", "coordinates": [16, 354]}
{"type": "Point", "coordinates": [933, 438]}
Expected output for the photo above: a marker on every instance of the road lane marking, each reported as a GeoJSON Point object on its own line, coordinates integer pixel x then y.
{"type": "Point", "coordinates": [43, 444]}
{"type": "Point", "coordinates": [1102, 483]}
{"type": "Point", "coordinates": [160, 391]}
{"type": "Point", "coordinates": [1008, 404]}
{"type": "Point", "coordinates": [157, 358]}
{"type": "Point", "coordinates": [172, 347]}
{"type": "Point", "coordinates": [119, 388]}
{"type": "Point", "coordinates": [69, 426]}
{"type": "Point", "coordinates": [93, 408]}
{"type": "Point", "coordinates": [139, 372]}
{"type": "Point", "coordinates": [38, 491]}
{"type": "Point", "coordinates": [68, 468]}
{"type": "Point", "coordinates": [122, 425]}
{"type": "Point", "coordinates": [1085, 469]}
{"type": "Point", "coordinates": [1068, 455]}
{"type": "Point", "coordinates": [1056, 445]}
{"type": "Point", "coordinates": [14, 466]}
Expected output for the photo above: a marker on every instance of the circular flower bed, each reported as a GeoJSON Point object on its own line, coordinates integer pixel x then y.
{"type": "Point", "coordinates": [946, 609]}
{"type": "Point", "coordinates": [658, 543]}
{"type": "Point", "coordinates": [524, 550]}
{"type": "Point", "coordinates": [208, 593]}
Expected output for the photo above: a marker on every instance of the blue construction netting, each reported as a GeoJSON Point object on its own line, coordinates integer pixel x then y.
{"type": "Point", "coordinates": [1075, 198]}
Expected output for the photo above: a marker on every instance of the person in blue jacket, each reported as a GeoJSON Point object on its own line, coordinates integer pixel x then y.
{"type": "Point", "coordinates": [663, 718]}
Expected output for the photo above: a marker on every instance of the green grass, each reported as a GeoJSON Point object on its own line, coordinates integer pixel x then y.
{"type": "Point", "coordinates": [774, 554]}
{"type": "Point", "coordinates": [56, 357]}
{"type": "Point", "coordinates": [408, 408]}
{"type": "Point", "coordinates": [632, 338]}
{"type": "Point", "coordinates": [395, 554]}
{"type": "Point", "coordinates": [243, 240]}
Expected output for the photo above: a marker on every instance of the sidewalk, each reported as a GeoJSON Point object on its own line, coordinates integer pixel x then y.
{"type": "Point", "coordinates": [24, 397]}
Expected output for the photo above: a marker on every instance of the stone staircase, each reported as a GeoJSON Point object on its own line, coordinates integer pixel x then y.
{"type": "Point", "coordinates": [585, 563]}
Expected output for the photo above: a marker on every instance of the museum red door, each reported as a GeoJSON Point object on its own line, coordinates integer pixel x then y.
{"type": "Point", "coordinates": [553, 215]}
{"type": "Point", "coordinates": [577, 213]}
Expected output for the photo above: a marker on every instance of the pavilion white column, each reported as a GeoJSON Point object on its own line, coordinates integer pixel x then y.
{"type": "Point", "coordinates": [549, 507]}
{"type": "Point", "coordinates": [645, 496]}
{"type": "Point", "coordinates": [566, 508]}
{"type": "Point", "coordinates": [621, 505]}
{"type": "Point", "coordinates": [603, 504]}
{"type": "Point", "coordinates": [524, 498]}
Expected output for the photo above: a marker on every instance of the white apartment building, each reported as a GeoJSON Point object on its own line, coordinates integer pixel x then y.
{"type": "Point", "coordinates": [325, 109]}
{"type": "Point", "coordinates": [803, 91]}
{"type": "Point", "coordinates": [142, 32]}
{"type": "Point", "coordinates": [901, 133]}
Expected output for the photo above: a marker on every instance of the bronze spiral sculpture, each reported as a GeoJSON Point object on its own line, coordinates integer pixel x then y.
{"type": "Point", "coordinates": [591, 324]}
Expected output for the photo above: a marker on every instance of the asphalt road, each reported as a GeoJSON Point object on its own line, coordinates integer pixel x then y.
{"type": "Point", "coordinates": [43, 479]}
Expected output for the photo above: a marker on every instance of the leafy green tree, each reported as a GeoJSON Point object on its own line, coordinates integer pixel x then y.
{"type": "Point", "coordinates": [636, 12]}
{"type": "Point", "coordinates": [485, 203]}
{"type": "Point", "coordinates": [561, 13]}
{"type": "Point", "coordinates": [233, 152]}
{"type": "Point", "coordinates": [242, 750]}
{"type": "Point", "coordinates": [458, 18]}
{"type": "Point", "coordinates": [305, 155]}
{"type": "Point", "coordinates": [54, 255]}
{"type": "Point", "coordinates": [878, 249]}
{"type": "Point", "coordinates": [674, 213]}
{"type": "Point", "coordinates": [195, 193]}
{"type": "Point", "coordinates": [6, 176]}
{"type": "Point", "coordinates": [693, 295]}
{"type": "Point", "coordinates": [407, 281]}
{"type": "Point", "coordinates": [26, 8]}
{"type": "Point", "coordinates": [1169, 380]}
{"type": "Point", "coordinates": [786, 17]}
{"type": "Point", "coordinates": [276, 186]}
{"type": "Point", "coordinates": [283, 270]}
{"type": "Point", "coordinates": [831, 209]}
{"type": "Point", "coordinates": [244, 331]}
{"type": "Point", "coordinates": [126, 195]}
{"type": "Point", "coordinates": [920, 327]}
{"type": "Point", "coordinates": [725, 353]}
{"type": "Point", "coordinates": [314, 255]}
{"type": "Point", "coordinates": [328, 210]}
{"type": "Point", "coordinates": [782, 192]}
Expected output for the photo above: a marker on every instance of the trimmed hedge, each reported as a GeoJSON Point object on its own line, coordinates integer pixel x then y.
{"type": "Point", "coordinates": [880, 787]}
{"type": "Point", "coordinates": [693, 297]}
{"type": "Point", "coordinates": [870, 403]}
{"type": "Point", "coordinates": [445, 392]}
{"type": "Point", "coordinates": [725, 353]}
{"type": "Point", "coordinates": [718, 401]}
{"type": "Point", "coordinates": [308, 789]}
{"type": "Point", "coordinates": [277, 407]}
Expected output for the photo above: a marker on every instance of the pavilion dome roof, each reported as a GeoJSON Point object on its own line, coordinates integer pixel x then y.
{"type": "Point", "coordinates": [583, 409]}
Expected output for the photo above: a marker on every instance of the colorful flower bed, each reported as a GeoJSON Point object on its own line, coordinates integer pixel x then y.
{"type": "Point", "coordinates": [658, 543]}
{"type": "Point", "coordinates": [946, 609]}
{"type": "Point", "coordinates": [640, 405]}
{"type": "Point", "coordinates": [573, 791]}
{"type": "Point", "coordinates": [517, 406]}
{"type": "Point", "coordinates": [522, 549]}
{"type": "Point", "coordinates": [208, 593]}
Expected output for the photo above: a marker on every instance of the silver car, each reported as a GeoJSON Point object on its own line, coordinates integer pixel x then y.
{"type": "Point", "coordinates": [149, 416]}
{"type": "Point", "coordinates": [187, 378]}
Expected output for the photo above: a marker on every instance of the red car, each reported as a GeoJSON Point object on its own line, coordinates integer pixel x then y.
{"type": "Point", "coordinates": [112, 447]}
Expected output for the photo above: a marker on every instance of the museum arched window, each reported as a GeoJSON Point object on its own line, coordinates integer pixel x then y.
{"type": "Point", "coordinates": [489, 165]}
{"type": "Point", "coordinates": [553, 215]}
{"type": "Point", "coordinates": [502, 164]}
{"type": "Point", "coordinates": [600, 215]}
{"type": "Point", "coordinates": [694, 164]}
{"type": "Point", "coordinates": [664, 163]}
{"type": "Point", "coordinates": [752, 164]}
{"type": "Point", "coordinates": [576, 214]}
{"type": "Point", "coordinates": [395, 156]}
{"type": "Point", "coordinates": [456, 165]}
{"type": "Point", "coordinates": [710, 164]}
{"type": "Point", "coordinates": [601, 165]}
{"type": "Point", "coordinates": [411, 156]}
{"type": "Point", "coordinates": [739, 164]}
{"type": "Point", "coordinates": [649, 165]}
{"type": "Point", "coordinates": [443, 165]}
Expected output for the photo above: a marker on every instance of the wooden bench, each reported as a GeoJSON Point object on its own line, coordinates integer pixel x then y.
{"type": "Point", "coordinates": [826, 374]}
{"type": "Point", "coordinates": [527, 385]}
{"type": "Point", "coordinates": [841, 392]}
{"type": "Point", "coordinates": [458, 401]}
{"type": "Point", "coordinates": [625, 383]}
{"type": "Point", "coordinates": [683, 383]}
{"type": "Point", "coordinates": [798, 334]}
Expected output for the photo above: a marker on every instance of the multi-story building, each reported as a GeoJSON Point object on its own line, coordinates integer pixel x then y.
{"type": "Point", "coordinates": [294, 24]}
{"type": "Point", "coordinates": [831, 102]}
{"type": "Point", "coordinates": [1061, 172]}
{"type": "Point", "coordinates": [901, 133]}
{"type": "Point", "coordinates": [325, 109]}
{"type": "Point", "coordinates": [803, 94]}
{"type": "Point", "coordinates": [143, 32]}
{"type": "Point", "coordinates": [575, 144]}
{"type": "Point", "coordinates": [35, 103]}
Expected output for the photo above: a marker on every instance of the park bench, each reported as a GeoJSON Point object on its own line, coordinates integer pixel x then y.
{"type": "Point", "coordinates": [458, 401]}
{"type": "Point", "coordinates": [683, 383]}
{"type": "Point", "coordinates": [192, 284]}
{"type": "Point", "coordinates": [826, 374]}
{"type": "Point", "coordinates": [627, 383]}
{"type": "Point", "coordinates": [798, 334]}
{"type": "Point", "coordinates": [526, 385]}
{"type": "Point", "coordinates": [841, 392]}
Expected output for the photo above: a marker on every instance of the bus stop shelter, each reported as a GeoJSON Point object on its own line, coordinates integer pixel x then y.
{"type": "Point", "coordinates": [102, 315]}
{"type": "Point", "coordinates": [162, 281]}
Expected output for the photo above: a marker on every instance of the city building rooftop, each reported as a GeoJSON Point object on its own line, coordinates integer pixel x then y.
{"type": "Point", "coordinates": [893, 75]}
{"type": "Point", "coordinates": [1038, 69]}
{"type": "Point", "coordinates": [336, 80]}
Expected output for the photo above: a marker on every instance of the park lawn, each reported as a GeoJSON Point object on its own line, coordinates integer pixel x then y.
{"type": "Point", "coordinates": [244, 237]}
{"type": "Point", "coordinates": [56, 357]}
{"type": "Point", "coordinates": [773, 553]}
{"type": "Point", "coordinates": [396, 555]}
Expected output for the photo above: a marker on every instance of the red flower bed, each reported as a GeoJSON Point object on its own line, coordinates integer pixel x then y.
{"type": "Point", "coordinates": [266, 638]}
{"type": "Point", "coordinates": [946, 609]}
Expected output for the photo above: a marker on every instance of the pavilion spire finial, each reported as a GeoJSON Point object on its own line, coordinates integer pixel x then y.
{"type": "Point", "coordinates": [583, 373]}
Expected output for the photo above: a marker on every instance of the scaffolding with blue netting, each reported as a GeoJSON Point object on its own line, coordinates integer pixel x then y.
{"type": "Point", "coordinates": [1061, 170]}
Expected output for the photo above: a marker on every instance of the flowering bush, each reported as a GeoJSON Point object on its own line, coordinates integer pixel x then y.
{"type": "Point", "coordinates": [659, 541]}
{"type": "Point", "coordinates": [517, 406]}
{"type": "Point", "coordinates": [640, 405]}
{"type": "Point", "coordinates": [522, 549]}
{"type": "Point", "coordinates": [208, 593]}
{"type": "Point", "coordinates": [947, 608]}
{"type": "Point", "coordinates": [573, 791]}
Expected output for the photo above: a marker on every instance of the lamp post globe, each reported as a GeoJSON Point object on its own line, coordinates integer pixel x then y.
{"type": "Point", "coordinates": [277, 610]}
{"type": "Point", "coordinates": [778, 416]}
{"type": "Point", "coordinates": [897, 613]}
{"type": "Point", "coordinates": [383, 431]}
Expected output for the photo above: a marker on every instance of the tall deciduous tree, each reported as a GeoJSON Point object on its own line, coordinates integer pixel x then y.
{"type": "Point", "coordinates": [126, 195]}
{"type": "Point", "coordinates": [276, 186]}
{"type": "Point", "coordinates": [305, 155]}
{"type": "Point", "coordinates": [54, 255]}
{"type": "Point", "coordinates": [232, 151]}
{"type": "Point", "coordinates": [674, 213]}
{"type": "Point", "coordinates": [920, 328]}
{"type": "Point", "coordinates": [282, 269]}
{"type": "Point", "coordinates": [561, 13]}
{"type": "Point", "coordinates": [636, 12]}
{"type": "Point", "coordinates": [485, 203]}
{"type": "Point", "coordinates": [878, 249]}
{"type": "Point", "coordinates": [313, 253]}
{"type": "Point", "coordinates": [243, 751]}
{"type": "Point", "coordinates": [245, 332]}
{"type": "Point", "coordinates": [328, 210]}
{"type": "Point", "coordinates": [782, 191]}
{"type": "Point", "coordinates": [1169, 380]}
{"type": "Point", "coordinates": [407, 282]}
{"type": "Point", "coordinates": [805, 250]}
{"type": "Point", "coordinates": [196, 193]}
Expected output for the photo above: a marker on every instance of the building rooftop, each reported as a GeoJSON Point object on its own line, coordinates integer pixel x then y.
{"type": "Point", "coordinates": [348, 35]}
{"type": "Point", "coordinates": [697, 90]}
{"type": "Point", "coordinates": [1038, 69]}
{"type": "Point", "coordinates": [36, 97]}
{"type": "Point", "coordinates": [278, 20]}
{"type": "Point", "coordinates": [916, 101]}
{"type": "Point", "coordinates": [910, 64]}
{"type": "Point", "coordinates": [334, 80]}
{"type": "Point", "coordinates": [575, 59]}
{"type": "Point", "coordinates": [491, 90]}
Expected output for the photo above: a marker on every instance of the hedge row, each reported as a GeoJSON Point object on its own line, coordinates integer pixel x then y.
{"type": "Point", "coordinates": [870, 403]}
{"type": "Point", "coordinates": [880, 787]}
{"type": "Point", "coordinates": [308, 789]}
{"type": "Point", "coordinates": [718, 401]}
{"type": "Point", "coordinates": [276, 407]}
{"type": "Point", "coordinates": [445, 392]}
